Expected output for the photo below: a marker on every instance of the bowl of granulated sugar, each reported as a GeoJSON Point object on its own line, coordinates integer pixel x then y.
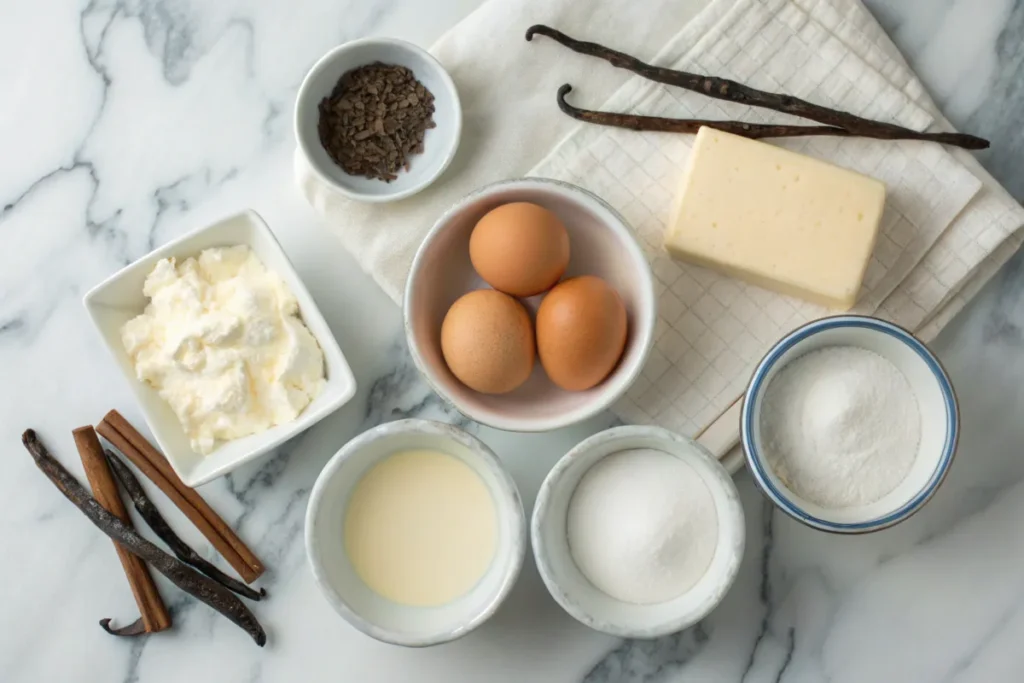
{"type": "Point", "coordinates": [638, 532]}
{"type": "Point", "coordinates": [849, 424]}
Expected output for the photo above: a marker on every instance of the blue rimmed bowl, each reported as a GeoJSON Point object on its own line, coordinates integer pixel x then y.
{"type": "Point", "coordinates": [940, 422]}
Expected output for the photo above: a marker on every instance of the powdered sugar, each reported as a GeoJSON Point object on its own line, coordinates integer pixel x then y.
{"type": "Point", "coordinates": [840, 425]}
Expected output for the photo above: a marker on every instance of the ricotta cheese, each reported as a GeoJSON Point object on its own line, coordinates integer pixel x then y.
{"type": "Point", "coordinates": [222, 342]}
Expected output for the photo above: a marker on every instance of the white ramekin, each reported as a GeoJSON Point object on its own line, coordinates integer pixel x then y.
{"type": "Point", "coordinates": [591, 606]}
{"type": "Point", "coordinates": [325, 542]}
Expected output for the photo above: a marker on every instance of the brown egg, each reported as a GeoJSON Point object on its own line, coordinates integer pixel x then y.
{"type": "Point", "coordinates": [487, 341]}
{"type": "Point", "coordinates": [581, 332]}
{"type": "Point", "coordinates": [520, 248]}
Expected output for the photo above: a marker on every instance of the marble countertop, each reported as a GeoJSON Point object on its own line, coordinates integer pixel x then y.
{"type": "Point", "coordinates": [125, 123]}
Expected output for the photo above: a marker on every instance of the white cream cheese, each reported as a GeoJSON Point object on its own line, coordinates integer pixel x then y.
{"type": "Point", "coordinates": [222, 343]}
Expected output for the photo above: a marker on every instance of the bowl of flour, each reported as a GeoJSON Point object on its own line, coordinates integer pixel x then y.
{"type": "Point", "coordinates": [849, 424]}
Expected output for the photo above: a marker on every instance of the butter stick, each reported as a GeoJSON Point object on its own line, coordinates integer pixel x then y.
{"type": "Point", "coordinates": [776, 219]}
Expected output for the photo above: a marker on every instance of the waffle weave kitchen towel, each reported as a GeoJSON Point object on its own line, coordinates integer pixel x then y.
{"type": "Point", "coordinates": [947, 227]}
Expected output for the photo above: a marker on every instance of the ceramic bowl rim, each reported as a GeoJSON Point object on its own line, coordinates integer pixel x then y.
{"type": "Point", "coordinates": [508, 505]}
{"type": "Point", "coordinates": [309, 308]}
{"type": "Point", "coordinates": [302, 100]}
{"type": "Point", "coordinates": [759, 468]}
{"type": "Point", "coordinates": [620, 226]}
{"type": "Point", "coordinates": [555, 478]}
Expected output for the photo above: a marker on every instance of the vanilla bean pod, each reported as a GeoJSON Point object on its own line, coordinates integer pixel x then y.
{"type": "Point", "coordinates": [691, 126]}
{"type": "Point", "coordinates": [136, 628]}
{"type": "Point", "coordinates": [732, 91]}
{"type": "Point", "coordinates": [184, 577]}
{"type": "Point", "coordinates": [149, 512]}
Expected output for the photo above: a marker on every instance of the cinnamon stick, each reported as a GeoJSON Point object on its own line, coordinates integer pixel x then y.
{"type": "Point", "coordinates": [181, 575]}
{"type": "Point", "coordinates": [125, 438]}
{"type": "Point", "coordinates": [733, 91]}
{"type": "Point", "coordinates": [154, 615]}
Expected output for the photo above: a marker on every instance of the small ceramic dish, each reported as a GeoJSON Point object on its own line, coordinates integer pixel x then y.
{"type": "Point", "coordinates": [351, 598]}
{"type": "Point", "coordinates": [577, 595]}
{"type": "Point", "coordinates": [935, 398]}
{"type": "Point", "coordinates": [439, 143]}
{"type": "Point", "coordinates": [601, 244]}
{"type": "Point", "coordinates": [119, 298]}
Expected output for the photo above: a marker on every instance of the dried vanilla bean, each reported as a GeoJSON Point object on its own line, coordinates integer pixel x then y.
{"type": "Point", "coordinates": [691, 126]}
{"type": "Point", "coordinates": [732, 91]}
{"type": "Point", "coordinates": [136, 628]}
{"type": "Point", "coordinates": [181, 575]}
{"type": "Point", "coordinates": [149, 512]}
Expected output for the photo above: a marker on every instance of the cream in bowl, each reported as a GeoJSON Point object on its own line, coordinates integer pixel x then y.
{"type": "Point", "coordinates": [849, 424]}
{"type": "Point", "coordinates": [415, 532]}
{"type": "Point", "coordinates": [638, 532]}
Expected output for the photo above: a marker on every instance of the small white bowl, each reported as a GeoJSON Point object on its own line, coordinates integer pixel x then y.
{"type": "Point", "coordinates": [577, 595]}
{"type": "Point", "coordinates": [119, 298]}
{"type": "Point", "coordinates": [439, 144]}
{"type": "Point", "coordinates": [351, 598]}
{"type": "Point", "coordinates": [600, 243]}
{"type": "Point", "coordinates": [935, 397]}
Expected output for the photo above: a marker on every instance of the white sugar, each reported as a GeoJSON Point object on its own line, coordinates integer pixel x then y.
{"type": "Point", "coordinates": [642, 526]}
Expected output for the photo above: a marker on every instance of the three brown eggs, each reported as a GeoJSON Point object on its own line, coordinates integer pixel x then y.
{"type": "Point", "coordinates": [488, 339]}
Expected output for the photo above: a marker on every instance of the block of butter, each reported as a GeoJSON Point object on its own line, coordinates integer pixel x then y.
{"type": "Point", "coordinates": [776, 218]}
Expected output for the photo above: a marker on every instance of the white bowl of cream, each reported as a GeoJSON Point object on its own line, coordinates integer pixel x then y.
{"type": "Point", "coordinates": [638, 532]}
{"type": "Point", "coordinates": [415, 532]}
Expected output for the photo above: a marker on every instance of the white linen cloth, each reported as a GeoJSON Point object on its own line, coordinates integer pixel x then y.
{"type": "Point", "coordinates": [947, 226]}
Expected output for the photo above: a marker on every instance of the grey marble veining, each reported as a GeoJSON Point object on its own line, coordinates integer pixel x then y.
{"type": "Point", "coordinates": [127, 122]}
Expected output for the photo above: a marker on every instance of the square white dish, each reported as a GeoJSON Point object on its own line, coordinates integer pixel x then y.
{"type": "Point", "coordinates": [119, 298]}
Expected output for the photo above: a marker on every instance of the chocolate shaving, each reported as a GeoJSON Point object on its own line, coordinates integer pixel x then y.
{"type": "Point", "coordinates": [136, 628]}
{"type": "Point", "coordinates": [836, 122]}
{"type": "Point", "coordinates": [181, 575]}
{"type": "Point", "coordinates": [149, 512]}
{"type": "Point", "coordinates": [375, 119]}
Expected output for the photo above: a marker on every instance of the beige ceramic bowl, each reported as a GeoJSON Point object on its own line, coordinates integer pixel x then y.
{"type": "Point", "coordinates": [601, 244]}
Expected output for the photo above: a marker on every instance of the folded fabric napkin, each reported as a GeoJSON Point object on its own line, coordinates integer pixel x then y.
{"type": "Point", "coordinates": [947, 227]}
{"type": "Point", "coordinates": [510, 120]}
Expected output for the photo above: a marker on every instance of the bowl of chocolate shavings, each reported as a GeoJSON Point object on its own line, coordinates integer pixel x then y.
{"type": "Point", "coordinates": [378, 119]}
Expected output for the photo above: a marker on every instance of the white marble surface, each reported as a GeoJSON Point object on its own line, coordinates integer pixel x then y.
{"type": "Point", "coordinates": [125, 123]}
